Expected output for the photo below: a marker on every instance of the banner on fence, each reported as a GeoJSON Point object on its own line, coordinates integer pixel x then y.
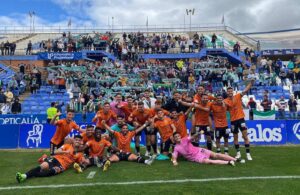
{"type": "Point", "coordinates": [277, 132]}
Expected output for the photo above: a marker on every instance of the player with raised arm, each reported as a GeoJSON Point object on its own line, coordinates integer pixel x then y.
{"type": "Point", "coordinates": [139, 117]}
{"type": "Point", "coordinates": [123, 152]}
{"type": "Point", "coordinates": [219, 110]}
{"type": "Point", "coordinates": [96, 148]}
{"type": "Point", "coordinates": [62, 159]}
{"type": "Point", "coordinates": [237, 119]}
{"type": "Point", "coordinates": [63, 128]}
{"type": "Point", "coordinates": [166, 128]}
{"type": "Point", "coordinates": [185, 148]}
{"type": "Point", "coordinates": [179, 120]}
{"type": "Point", "coordinates": [106, 114]}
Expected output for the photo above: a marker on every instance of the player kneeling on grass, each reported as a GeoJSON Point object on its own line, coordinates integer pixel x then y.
{"type": "Point", "coordinates": [96, 148]}
{"type": "Point", "coordinates": [62, 159]}
{"type": "Point", "coordinates": [185, 148]}
{"type": "Point", "coordinates": [123, 143]}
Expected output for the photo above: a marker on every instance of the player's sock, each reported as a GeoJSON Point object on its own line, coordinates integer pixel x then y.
{"type": "Point", "coordinates": [33, 172]}
{"type": "Point", "coordinates": [148, 148]}
{"type": "Point", "coordinates": [195, 144]}
{"type": "Point", "coordinates": [247, 146]}
{"type": "Point", "coordinates": [226, 150]}
{"type": "Point", "coordinates": [137, 149]}
{"type": "Point", "coordinates": [154, 147]}
{"type": "Point", "coordinates": [218, 150]}
{"type": "Point", "coordinates": [237, 147]}
{"type": "Point", "coordinates": [209, 145]}
{"type": "Point", "coordinates": [140, 160]}
{"type": "Point", "coordinates": [47, 173]}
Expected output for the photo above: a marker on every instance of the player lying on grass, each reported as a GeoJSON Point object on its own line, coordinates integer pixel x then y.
{"type": "Point", "coordinates": [96, 148]}
{"type": "Point", "coordinates": [62, 159]}
{"type": "Point", "coordinates": [185, 148]}
{"type": "Point", "coordinates": [123, 143]}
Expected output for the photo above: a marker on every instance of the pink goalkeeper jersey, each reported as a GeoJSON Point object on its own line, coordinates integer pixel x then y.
{"type": "Point", "coordinates": [190, 152]}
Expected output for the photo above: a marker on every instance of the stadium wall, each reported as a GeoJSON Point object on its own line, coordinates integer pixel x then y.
{"type": "Point", "coordinates": [31, 131]}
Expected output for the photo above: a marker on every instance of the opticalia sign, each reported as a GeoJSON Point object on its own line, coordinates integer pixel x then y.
{"type": "Point", "coordinates": [22, 119]}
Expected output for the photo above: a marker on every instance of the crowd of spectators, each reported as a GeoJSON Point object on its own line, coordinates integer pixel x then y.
{"type": "Point", "coordinates": [7, 48]}
{"type": "Point", "coordinates": [93, 83]}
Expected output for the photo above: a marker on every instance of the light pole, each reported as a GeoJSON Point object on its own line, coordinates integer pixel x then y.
{"type": "Point", "coordinates": [112, 24]}
{"type": "Point", "coordinates": [190, 12]}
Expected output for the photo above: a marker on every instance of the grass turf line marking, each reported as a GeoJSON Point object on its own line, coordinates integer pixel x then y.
{"type": "Point", "coordinates": [91, 175]}
{"type": "Point", "coordinates": [150, 182]}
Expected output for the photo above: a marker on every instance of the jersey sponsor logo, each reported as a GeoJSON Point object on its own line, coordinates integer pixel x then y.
{"type": "Point", "coordinates": [35, 135]}
{"type": "Point", "coordinates": [296, 130]}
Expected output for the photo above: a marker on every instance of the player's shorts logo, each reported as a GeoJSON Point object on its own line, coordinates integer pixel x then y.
{"type": "Point", "coordinates": [296, 130]}
{"type": "Point", "coordinates": [35, 135]}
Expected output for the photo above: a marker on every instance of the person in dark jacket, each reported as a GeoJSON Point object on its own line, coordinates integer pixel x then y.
{"type": "Point", "coordinates": [16, 107]}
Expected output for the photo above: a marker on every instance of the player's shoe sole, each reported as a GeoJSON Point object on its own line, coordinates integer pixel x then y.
{"type": "Point", "coordinates": [77, 168]}
{"type": "Point", "coordinates": [106, 165]}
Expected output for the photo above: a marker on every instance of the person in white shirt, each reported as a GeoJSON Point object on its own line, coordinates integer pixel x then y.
{"type": "Point", "coordinates": [149, 102]}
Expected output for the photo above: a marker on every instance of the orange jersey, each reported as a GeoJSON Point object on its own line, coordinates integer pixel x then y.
{"type": "Point", "coordinates": [164, 128]}
{"type": "Point", "coordinates": [141, 117]}
{"type": "Point", "coordinates": [201, 116]}
{"type": "Point", "coordinates": [197, 98]}
{"type": "Point", "coordinates": [97, 147]}
{"type": "Point", "coordinates": [180, 125]}
{"type": "Point", "coordinates": [128, 110]}
{"type": "Point", "coordinates": [154, 112]}
{"type": "Point", "coordinates": [62, 130]}
{"type": "Point", "coordinates": [86, 138]}
{"type": "Point", "coordinates": [104, 116]}
{"type": "Point", "coordinates": [66, 160]}
{"type": "Point", "coordinates": [219, 114]}
{"type": "Point", "coordinates": [235, 107]}
{"type": "Point", "coordinates": [124, 141]}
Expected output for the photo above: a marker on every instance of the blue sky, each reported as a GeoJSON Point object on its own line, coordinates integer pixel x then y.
{"type": "Point", "coordinates": [254, 15]}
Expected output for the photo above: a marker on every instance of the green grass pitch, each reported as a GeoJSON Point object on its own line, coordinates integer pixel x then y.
{"type": "Point", "coordinates": [267, 161]}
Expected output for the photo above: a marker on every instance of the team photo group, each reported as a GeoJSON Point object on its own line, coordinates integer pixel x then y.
{"type": "Point", "coordinates": [115, 134]}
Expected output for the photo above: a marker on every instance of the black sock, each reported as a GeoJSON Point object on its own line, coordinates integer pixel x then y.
{"type": "Point", "coordinates": [247, 146]}
{"type": "Point", "coordinates": [195, 144]}
{"type": "Point", "coordinates": [225, 150]}
{"type": "Point", "coordinates": [148, 148]}
{"type": "Point", "coordinates": [33, 172]}
{"type": "Point", "coordinates": [140, 160]}
{"type": "Point", "coordinates": [137, 148]}
{"type": "Point", "coordinates": [209, 145]}
{"type": "Point", "coordinates": [154, 147]}
{"type": "Point", "coordinates": [46, 173]}
{"type": "Point", "coordinates": [237, 147]}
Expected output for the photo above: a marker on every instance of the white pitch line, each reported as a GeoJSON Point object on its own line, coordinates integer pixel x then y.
{"type": "Point", "coordinates": [91, 175]}
{"type": "Point", "coordinates": [150, 182]}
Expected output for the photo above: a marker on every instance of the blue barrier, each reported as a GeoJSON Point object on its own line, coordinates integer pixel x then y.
{"type": "Point", "coordinates": [277, 132]}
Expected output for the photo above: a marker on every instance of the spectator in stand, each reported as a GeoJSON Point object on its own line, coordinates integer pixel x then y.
{"type": "Point", "coordinates": [12, 48]}
{"type": "Point", "coordinates": [2, 48]}
{"type": "Point", "coordinates": [292, 103]}
{"type": "Point", "coordinates": [291, 65]}
{"type": "Point", "coordinates": [236, 48]}
{"type": "Point", "coordinates": [214, 40]}
{"type": "Point", "coordinates": [5, 109]}
{"type": "Point", "coordinates": [76, 91]}
{"type": "Point", "coordinates": [29, 48]}
{"type": "Point", "coordinates": [266, 104]}
{"type": "Point", "coordinates": [9, 96]}
{"type": "Point", "coordinates": [2, 98]}
{"type": "Point", "coordinates": [281, 104]}
{"type": "Point", "coordinates": [51, 112]}
{"type": "Point", "coordinates": [16, 107]}
{"type": "Point", "coordinates": [247, 53]}
{"type": "Point", "coordinates": [33, 85]}
{"type": "Point", "coordinates": [7, 48]}
{"type": "Point", "coordinates": [252, 106]}
{"type": "Point", "coordinates": [296, 89]}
